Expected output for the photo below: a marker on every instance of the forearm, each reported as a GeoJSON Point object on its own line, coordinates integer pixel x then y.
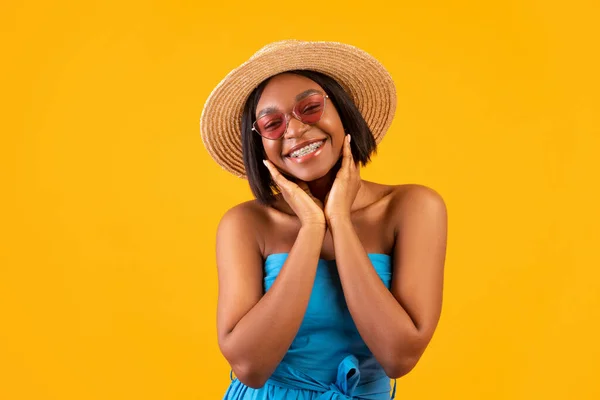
{"type": "Point", "coordinates": [261, 338]}
{"type": "Point", "coordinates": [382, 322]}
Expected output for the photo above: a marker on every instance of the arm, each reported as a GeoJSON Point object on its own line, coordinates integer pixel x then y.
{"type": "Point", "coordinates": [256, 330]}
{"type": "Point", "coordinates": [397, 324]}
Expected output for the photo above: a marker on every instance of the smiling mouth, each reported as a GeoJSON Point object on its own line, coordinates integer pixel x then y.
{"type": "Point", "coordinates": [310, 148]}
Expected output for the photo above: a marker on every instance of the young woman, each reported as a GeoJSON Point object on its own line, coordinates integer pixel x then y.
{"type": "Point", "coordinates": [329, 285]}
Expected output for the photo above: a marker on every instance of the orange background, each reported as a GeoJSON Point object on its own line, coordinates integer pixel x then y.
{"type": "Point", "coordinates": [110, 203]}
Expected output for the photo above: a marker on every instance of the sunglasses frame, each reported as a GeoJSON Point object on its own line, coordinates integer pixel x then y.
{"type": "Point", "coordinates": [289, 115]}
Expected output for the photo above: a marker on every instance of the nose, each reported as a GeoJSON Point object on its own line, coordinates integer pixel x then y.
{"type": "Point", "coordinates": [295, 128]}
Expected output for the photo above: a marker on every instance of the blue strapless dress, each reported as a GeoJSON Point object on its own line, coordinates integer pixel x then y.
{"type": "Point", "coordinates": [328, 360]}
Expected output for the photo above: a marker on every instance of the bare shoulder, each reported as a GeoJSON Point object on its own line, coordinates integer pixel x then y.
{"type": "Point", "coordinates": [400, 195]}
{"type": "Point", "coordinates": [410, 201]}
{"type": "Point", "coordinates": [243, 213]}
{"type": "Point", "coordinates": [405, 199]}
{"type": "Point", "coordinates": [242, 223]}
{"type": "Point", "coordinates": [416, 193]}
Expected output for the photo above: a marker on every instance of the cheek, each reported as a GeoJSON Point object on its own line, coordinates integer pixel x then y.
{"type": "Point", "coordinates": [272, 149]}
{"type": "Point", "coordinates": [332, 125]}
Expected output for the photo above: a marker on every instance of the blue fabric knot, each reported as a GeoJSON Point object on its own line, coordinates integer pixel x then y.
{"type": "Point", "coordinates": [348, 376]}
{"type": "Point", "coordinates": [345, 387]}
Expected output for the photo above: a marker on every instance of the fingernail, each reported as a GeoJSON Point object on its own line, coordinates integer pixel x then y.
{"type": "Point", "coordinates": [349, 138]}
{"type": "Point", "coordinates": [265, 162]}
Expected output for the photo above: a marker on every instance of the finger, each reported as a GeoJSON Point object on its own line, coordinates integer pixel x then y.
{"type": "Point", "coordinates": [279, 179]}
{"type": "Point", "coordinates": [353, 167]}
{"type": "Point", "coordinates": [277, 176]}
{"type": "Point", "coordinates": [347, 154]}
{"type": "Point", "coordinates": [350, 149]}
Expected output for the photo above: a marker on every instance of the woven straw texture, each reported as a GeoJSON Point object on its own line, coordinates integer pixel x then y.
{"type": "Point", "coordinates": [366, 81]}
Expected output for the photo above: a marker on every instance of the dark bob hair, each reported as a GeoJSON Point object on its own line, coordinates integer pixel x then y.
{"type": "Point", "coordinates": [363, 144]}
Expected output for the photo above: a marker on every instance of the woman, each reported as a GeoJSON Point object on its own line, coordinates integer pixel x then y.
{"type": "Point", "coordinates": [329, 285]}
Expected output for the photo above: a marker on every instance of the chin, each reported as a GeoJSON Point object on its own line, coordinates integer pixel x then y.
{"type": "Point", "coordinates": [310, 174]}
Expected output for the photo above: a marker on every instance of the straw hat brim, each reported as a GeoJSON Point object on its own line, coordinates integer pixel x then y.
{"type": "Point", "coordinates": [363, 77]}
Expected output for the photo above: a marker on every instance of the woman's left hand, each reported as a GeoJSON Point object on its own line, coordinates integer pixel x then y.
{"type": "Point", "coordinates": [345, 187]}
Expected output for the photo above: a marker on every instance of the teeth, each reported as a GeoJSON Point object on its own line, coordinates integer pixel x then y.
{"type": "Point", "coordinates": [306, 149]}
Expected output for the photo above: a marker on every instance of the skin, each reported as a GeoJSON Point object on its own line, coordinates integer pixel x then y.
{"type": "Point", "coordinates": [323, 212]}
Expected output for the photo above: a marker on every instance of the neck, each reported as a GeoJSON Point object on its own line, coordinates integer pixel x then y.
{"type": "Point", "coordinates": [320, 187]}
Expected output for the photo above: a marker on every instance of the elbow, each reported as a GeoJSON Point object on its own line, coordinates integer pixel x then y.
{"type": "Point", "coordinates": [398, 369]}
{"type": "Point", "coordinates": [404, 356]}
{"type": "Point", "coordinates": [251, 372]}
{"type": "Point", "coordinates": [250, 375]}
{"type": "Point", "coordinates": [400, 365]}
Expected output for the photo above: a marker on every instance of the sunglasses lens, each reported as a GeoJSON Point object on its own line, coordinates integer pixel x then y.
{"type": "Point", "coordinates": [271, 126]}
{"type": "Point", "coordinates": [310, 109]}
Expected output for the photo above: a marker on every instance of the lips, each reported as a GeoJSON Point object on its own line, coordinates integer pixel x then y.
{"type": "Point", "coordinates": [301, 145]}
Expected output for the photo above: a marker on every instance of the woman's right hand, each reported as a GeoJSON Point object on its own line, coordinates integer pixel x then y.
{"type": "Point", "coordinates": [308, 208]}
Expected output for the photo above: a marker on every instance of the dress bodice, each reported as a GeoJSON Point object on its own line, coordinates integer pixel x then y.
{"type": "Point", "coordinates": [328, 350]}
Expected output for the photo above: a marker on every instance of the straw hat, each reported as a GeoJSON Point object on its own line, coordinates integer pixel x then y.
{"type": "Point", "coordinates": [366, 81]}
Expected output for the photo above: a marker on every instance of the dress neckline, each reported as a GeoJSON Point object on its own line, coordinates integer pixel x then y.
{"type": "Point", "coordinates": [370, 255]}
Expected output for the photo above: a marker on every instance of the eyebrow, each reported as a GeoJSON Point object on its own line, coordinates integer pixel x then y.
{"type": "Point", "coordinates": [306, 93]}
{"type": "Point", "coordinates": [266, 111]}
{"type": "Point", "coordinates": [299, 97]}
